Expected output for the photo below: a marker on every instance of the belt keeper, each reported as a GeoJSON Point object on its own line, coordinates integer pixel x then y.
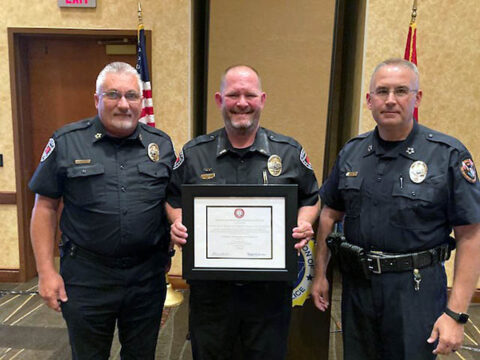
{"type": "Point", "coordinates": [415, 261]}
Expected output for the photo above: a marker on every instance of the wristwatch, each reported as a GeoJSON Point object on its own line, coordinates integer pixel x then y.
{"type": "Point", "coordinates": [461, 318]}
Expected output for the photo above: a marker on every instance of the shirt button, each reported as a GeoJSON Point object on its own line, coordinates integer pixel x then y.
{"type": "Point", "coordinates": [122, 166]}
{"type": "Point", "coordinates": [123, 188]}
{"type": "Point", "coordinates": [379, 179]}
{"type": "Point", "coordinates": [84, 171]}
{"type": "Point", "coordinates": [242, 161]}
{"type": "Point", "coordinates": [413, 193]}
{"type": "Point", "coordinates": [124, 211]}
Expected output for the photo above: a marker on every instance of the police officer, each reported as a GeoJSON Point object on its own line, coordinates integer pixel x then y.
{"type": "Point", "coordinates": [400, 190]}
{"type": "Point", "coordinates": [111, 173]}
{"type": "Point", "coordinates": [256, 314]}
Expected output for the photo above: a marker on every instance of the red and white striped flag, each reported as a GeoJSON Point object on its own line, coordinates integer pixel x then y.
{"type": "Point", "coordinates": [146, 116]}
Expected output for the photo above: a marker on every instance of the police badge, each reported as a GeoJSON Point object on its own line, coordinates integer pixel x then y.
{"type": "Point", "coordinates": [274, 165]}
{"type": "Point", "coordinates": [153, 152]}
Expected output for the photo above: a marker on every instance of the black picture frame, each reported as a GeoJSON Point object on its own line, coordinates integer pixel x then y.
{"type": "Point", "coordinates": [288, 192]}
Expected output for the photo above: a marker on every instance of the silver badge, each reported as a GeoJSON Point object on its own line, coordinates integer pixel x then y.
{"type": "Point", "coordinates": [418, 171]}
{"type": "Point", "coordinates": [274, 165]}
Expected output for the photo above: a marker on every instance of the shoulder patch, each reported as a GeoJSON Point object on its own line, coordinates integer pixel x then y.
{"type": "Point", "coordinates": [304, 159]}
{"type": "Point", "coordinates": [48, 149]}
{"type": "Point", "coordinates": [179, 161]}
{"type": "Point", "coordinates": [467, 168]}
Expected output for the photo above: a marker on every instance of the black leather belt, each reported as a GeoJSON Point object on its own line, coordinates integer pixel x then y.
{"type": "Point", "coordinates": [379, 262]}
{"type": "Point", "coordinates": [113, 262]}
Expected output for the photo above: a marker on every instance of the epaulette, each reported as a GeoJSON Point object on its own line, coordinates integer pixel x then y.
{"type": "Point", "coordinates": [282, 138]}
{"type": "Point", "coordinates": [360, 137]}
{"type": "Point", "coordinates": [154, 130]}
{"type": "Point", "coordinates": [78, 125]}
{"type": "Point", "coordinates": [438, 137]}
{"type": "Point", "coordinates": [200, 140]}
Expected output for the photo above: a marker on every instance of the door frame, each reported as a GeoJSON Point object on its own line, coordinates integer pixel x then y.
{"type": "Point", "coordinates": [21, 121]}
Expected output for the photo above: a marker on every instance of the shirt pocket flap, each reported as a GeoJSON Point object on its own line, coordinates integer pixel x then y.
{"type": "Point", "coordinates": [350, 183]}
{"type": "Point", "coordinates": [414, 192]}
{"type": "Point", "coordinates": [85, 170]}
{"type": "Point", "coordinates": [153, 169]}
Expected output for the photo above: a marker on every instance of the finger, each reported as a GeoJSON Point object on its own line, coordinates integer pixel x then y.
{"type": "Point", "coordinates": [63, 294]}
{"type": "Point", "coordinates": [433, 336]}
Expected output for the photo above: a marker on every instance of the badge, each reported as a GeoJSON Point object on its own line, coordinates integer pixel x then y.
{"type": "Point", "coordinates": [468, 170]}
{"type": "Point", "coordinates": [351, 174]}
{"type": "Point", "coordinates": [301, 290]}
{"type": "Point", "coordinates": [153, 152]}
{"type": "Point", "coordinates": [274, 165]}
{"type": "Point", "coordinates": [48, 149]}
{"type": "Point", "coordinates": [304, 159]}
{"type": "Point", "coordinates": [418, 171]}
{"type": "Point", "coordinates": [179, 161]}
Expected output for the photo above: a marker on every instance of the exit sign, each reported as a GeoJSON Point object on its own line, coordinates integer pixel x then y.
{"type": "Point", "coordinates": [77, 3]}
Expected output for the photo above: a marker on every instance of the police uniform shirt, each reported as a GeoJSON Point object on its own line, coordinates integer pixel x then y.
{"type": "Point", "coordinates": [211, 159]}
{"type": "Point", "coordinates": [113, 189]}
{"type": "Point", "coordinates": [403, 197]}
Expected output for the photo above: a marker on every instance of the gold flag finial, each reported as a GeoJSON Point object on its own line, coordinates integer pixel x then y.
{"type": "Point", "coordinates": [139, 13]}
{"type": "Point", "coordinates": [414, 12]}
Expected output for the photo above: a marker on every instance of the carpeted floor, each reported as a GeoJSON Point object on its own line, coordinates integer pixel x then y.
{"type": "Point", "coordinates": [31, 331]}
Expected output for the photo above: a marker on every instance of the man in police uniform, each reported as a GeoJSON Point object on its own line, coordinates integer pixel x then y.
{"type": "Point", "coordinates": [256, 314]}
{"type": "Point", "coordinates": [402, 188]}
{"type": "Point", "coordinates": [111, 172]}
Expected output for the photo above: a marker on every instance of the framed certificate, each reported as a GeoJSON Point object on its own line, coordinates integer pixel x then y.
{"type": "Point", "coordinates": [239, 232]}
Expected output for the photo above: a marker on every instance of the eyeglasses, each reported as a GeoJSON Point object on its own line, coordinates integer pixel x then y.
{"type": "Point", "coordinates": [130, 96]}
{"type": "Point", "coordinates": [399, 92]}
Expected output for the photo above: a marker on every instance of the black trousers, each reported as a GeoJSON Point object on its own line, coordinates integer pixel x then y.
{"type": "Point", "coordinates": [230, 321]}
{"type": "Point", "coordinates": [386, 319]}
{"type": "Point", "coordinates": [100, 297]}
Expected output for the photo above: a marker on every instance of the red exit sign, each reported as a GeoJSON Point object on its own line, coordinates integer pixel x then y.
{"type": "Point", "coordinates": [77, 3]}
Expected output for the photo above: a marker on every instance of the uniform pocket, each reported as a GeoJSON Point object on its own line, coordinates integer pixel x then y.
{"type": "Point", "coordinates": [413, 206]}
{"type": "Point", "coordinates": [350, 189]}
{"type": "Point", "coordinates": [85, 184]}
{"type": "Point", "coordinates": [153, 180]}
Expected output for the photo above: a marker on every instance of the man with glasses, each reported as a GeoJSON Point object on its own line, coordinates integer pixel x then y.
{"type": "Point", "coordinates": [111, 173]}
{"type": "Point", "coordinates": [400, 191]}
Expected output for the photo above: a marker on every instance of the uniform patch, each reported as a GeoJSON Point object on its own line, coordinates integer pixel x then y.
{"type": "Point", "coordinates": [179, 161]}
{"type": "Point", "coordinates": [274, 165]}
{"type": "Point", "coordinates": [153, 152]}
{"type": "Point", "coordinates": [468, 170]}
{"type": "Point", "coordinates": [305, 160]}
{"type": "Point", "coordinates": [48, 149]}
{"type": "Point", "coordinates": [418, 172]}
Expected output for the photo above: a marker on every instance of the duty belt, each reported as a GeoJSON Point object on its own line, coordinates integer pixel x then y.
{"type": "Point", "coordinates": [379, 262]}
{"type": "Point", "coordinates": [114, 262]}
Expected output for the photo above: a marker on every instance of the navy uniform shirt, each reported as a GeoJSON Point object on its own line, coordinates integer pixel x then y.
{"type": "Point", "coordinates": [211, 159]}
{"type": "Point", "coordinates": [113, 189]}
{"type": "Point", "coordinates": [405, 196]}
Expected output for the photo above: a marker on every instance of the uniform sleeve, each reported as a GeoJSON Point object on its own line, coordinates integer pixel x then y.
{"type": "Point", "coordinates": [307, 182]}
{"type": "Point", "coordinates": [329, 192]}
{"type": "Point", "coordinates": [47, 179]}
{"type": "Point", "coordinates": [174, 189]}
{"type": "Point", "coordinates": [464, 202]}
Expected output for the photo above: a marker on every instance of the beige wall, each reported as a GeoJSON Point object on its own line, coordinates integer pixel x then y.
{"type": "Point", "coordinates": [290, 44]}
{"type": "Point", "coordinates": [170, 23]}
{"type": "Point", "coordinates": [448, 36]}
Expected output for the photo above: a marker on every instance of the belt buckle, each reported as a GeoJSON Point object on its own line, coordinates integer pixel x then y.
{"type": "Point", "coordinates": [374, 258]}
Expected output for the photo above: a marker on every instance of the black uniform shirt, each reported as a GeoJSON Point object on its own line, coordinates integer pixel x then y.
{"type": "Point", "coordinates": [392, 205]}
{"type": "Point", "coordinates": [211, 159]}
{"type": "Point", "coordinates": [113, 190]}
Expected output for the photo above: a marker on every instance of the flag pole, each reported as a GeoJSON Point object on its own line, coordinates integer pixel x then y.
{"type": "Point", "coordinates": [414, 12]}
{"type": "Point", "coordinates": [139, 14]}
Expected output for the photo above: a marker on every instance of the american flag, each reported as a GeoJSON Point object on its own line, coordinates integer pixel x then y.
{"type": "Point", "coordinates": [142, 67]}
{"type": "Point", "coordinates": [411, 47]}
